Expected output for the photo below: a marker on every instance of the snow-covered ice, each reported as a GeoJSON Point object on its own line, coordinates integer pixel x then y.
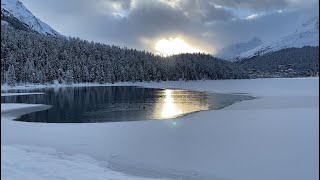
{"type": "Point", "coordinates": [272, 137]}
{"type": "Point", "coordinates": [14, 110]}
{"type": "Point", "coordinates": [36, 163]}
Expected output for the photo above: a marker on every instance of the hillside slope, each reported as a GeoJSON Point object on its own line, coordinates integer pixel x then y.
{"type": "Point", "coordinates": [290, 62]}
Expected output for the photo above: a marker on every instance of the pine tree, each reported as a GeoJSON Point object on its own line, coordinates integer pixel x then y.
{"type": "Point", "coordinates": [29, 71]}
{"type": "Point", "coordinates": [69, 77]}
{"type": "Point", "coordinates": [11, 76]}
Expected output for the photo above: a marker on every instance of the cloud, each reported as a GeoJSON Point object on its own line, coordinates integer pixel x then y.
{"type": "Point", "coordinates": [203, 10]}
{"type": "Point", "coordinates": [252, 16]}
{"type": "Point", "coordinates": [121, 4]}
{"type": "Point", "coordinates": [265, 5]}
{"type": "Point", "coordinates": [205, 24]}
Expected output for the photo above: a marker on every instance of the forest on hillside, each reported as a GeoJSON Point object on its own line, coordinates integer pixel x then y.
{"type": "Point", "coordinates": [286, 63]}
{"type": "Point", "coordinates": [32, 58]}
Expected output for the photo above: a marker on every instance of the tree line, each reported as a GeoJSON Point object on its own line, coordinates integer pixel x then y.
{"type": "Point", "coordinates": [29, 57]}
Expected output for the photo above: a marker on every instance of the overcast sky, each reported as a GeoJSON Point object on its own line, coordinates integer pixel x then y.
{"type": "Point", "coordinates": [206, 25]}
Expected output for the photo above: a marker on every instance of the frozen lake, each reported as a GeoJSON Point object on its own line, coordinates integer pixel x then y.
{"type": "Point", "coordinates": [275, 136]}
{"type": "Point", "coordinates": [117, 103]}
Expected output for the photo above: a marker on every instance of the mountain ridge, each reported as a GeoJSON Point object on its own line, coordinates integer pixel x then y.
{"type": "Point", "coordinates": [232, 51]}
{"type": "Point", "coordinates": [307, 34]}
{"type": "Point", "coordinates": [15, 14]}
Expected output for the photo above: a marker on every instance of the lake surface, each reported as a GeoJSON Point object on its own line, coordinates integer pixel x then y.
{"type": "Point", "coordinates": [117, 103]}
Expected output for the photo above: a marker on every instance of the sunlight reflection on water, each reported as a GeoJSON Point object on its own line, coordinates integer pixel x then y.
{"type": "Point", "coordinates": [170, 109]}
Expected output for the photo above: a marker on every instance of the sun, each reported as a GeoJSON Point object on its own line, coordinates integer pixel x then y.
{"type": "Point", "coordinates": [171, 46]}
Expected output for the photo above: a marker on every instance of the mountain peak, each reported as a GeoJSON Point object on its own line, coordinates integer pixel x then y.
{"type": "Point", "coordinates": [234, 50]}
{"type": "Point", "coordinates": [307, 34]}
{"type": "Point", "coordinates": [14, 13]}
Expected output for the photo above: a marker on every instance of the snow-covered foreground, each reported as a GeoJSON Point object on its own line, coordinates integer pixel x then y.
{"type": "Point", "coordinates": [38, 163]}
{"type": "Point", "coordinates": [34, 163]}
{"type": "Point", "coordinates": [272, 137]}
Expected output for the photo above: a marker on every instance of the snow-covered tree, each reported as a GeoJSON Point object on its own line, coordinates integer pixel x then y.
{"type": "Point", "coordinates": [11, 76]}
{"type": "Point", "coordinates": [68, 77]}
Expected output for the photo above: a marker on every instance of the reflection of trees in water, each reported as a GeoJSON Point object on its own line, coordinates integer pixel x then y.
{"type": "Point", "coordinates": [82, 95]}
{"type": "Point", "coordinates": [77, 103]}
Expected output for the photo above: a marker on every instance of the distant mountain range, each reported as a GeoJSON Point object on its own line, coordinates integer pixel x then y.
{"type": "Point", "coordinates": [305, 35]}
{"type": "Point", "coordinates": [234, 50]}
{"type": "Point", "coordinates": [16, 15]}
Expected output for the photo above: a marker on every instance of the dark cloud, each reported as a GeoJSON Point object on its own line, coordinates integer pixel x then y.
{"type": "Point", "coordinates": [264, 5]}
{"type": "Point", "coordinates": [62, 7]}
{"type": "Point", "coordinates": [267, 27]}
{"type": "Point", "coordinates": [253, 4]}
{"type": "Point", "coordinates": [205, 10]}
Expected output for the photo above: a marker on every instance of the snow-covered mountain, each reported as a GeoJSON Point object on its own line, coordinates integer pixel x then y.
{"type": "Point", "coordinates": [14, 13]}
{"type": "Point", "coordinates": [234, 50]}
{"type": "Point", "coordinates": [305, 35]}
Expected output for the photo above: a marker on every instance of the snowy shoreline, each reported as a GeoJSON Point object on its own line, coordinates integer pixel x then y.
{"type": "Point", "coordinates": [19, 94]}
{"type": "Point", "coordinates": [144, 84]}
{"type": "Point", "coordinates": [248, 140]}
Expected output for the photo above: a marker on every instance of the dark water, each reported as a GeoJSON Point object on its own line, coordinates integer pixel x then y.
{"type": "Point", "coordinates": [117, 103]}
